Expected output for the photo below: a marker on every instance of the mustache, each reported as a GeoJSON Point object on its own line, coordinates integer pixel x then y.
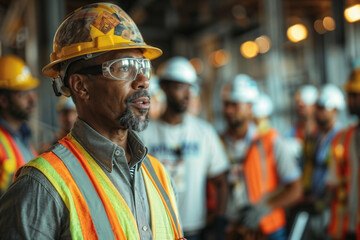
{"type": "Point", "coordinates": [140, 93]}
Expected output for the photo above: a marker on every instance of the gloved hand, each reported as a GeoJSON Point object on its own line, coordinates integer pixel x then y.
{"type": "Point", "coordinates": [250, 215]}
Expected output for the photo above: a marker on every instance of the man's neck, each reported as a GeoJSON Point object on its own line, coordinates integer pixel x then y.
{"type": "Point", "coordinates": [239, 132]}
{"type": "Point", "coordinates": [307, 125]}
{"type": "Point", "coordinates": [172, 117]}
{"type": "Point", "coordinates": [326, 129]}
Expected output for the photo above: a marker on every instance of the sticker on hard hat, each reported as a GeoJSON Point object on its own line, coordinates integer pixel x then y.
{"type": "Point", "coordinates": [105, 22]}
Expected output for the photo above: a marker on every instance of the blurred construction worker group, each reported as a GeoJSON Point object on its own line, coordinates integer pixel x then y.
{"type": "Point", "coordinates": [249, 181]}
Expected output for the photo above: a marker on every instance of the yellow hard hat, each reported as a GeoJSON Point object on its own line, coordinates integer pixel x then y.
{"type": "Point", "coordinates": [94, 28]}
{"type": "Point", "coordinates": [353, 82]}
{"type": "Point", "coordinates": [15, 75]}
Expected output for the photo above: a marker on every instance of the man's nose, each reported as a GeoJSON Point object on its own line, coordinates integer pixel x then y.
{"type": "Point", "coordinates": [141, 82]}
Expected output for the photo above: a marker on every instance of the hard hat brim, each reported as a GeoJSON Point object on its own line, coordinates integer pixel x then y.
{"type": "Point", "coordinates": [52, 70]}
{"type": "Point", "coordinates": [31, 83]}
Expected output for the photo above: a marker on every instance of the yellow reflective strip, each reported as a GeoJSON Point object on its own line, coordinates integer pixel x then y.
{"type": "Point", "coordinates": [9, 165]}
{"type": "Point", "coordinates": [161, 221]}
{"type": "Point", "coordinates": [119, 203]}
{"type": "Point", "coordinates": [7, 146]}
{"type": "Point", "coordinates": [55, 179]}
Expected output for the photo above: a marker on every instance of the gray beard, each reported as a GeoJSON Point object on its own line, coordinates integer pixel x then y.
{"type": "Point", "coordinates": [129, 120]}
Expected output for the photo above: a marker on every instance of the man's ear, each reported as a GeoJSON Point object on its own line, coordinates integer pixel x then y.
{"type": "Point", "coordinates": [78, 84]}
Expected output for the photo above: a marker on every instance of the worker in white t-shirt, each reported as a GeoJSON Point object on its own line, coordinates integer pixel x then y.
{"type": "Point", "coordinates": [190, 149]}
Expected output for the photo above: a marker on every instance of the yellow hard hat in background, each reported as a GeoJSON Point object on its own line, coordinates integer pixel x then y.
{"type": "Point", "coordinates": [353, 82]}
{"type": "Point", "coordinates": [15, 75]}
{"type": "Point", "coordinates": [97, 27]}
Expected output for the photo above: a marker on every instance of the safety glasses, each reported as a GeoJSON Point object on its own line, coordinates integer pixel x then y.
{"type": "Point", "coordinates": [124, 69]}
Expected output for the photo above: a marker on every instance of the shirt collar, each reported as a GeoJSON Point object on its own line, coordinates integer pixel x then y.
{"type": "Point", "coordinates": [105, 151]}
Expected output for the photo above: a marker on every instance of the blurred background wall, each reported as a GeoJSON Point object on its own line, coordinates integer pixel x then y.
{"type": "Point", "coordinates": [282, 44]}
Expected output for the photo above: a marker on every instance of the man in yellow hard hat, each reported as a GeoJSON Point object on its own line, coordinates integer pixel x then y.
{"type": "Point", "coordinates": [98, 182]}
{"type": "Point", "coordinates": [344, 173]}
{"type": "Point", "coordinates": [17, 102]}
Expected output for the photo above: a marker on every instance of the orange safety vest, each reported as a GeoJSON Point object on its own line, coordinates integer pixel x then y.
{"type": "Point", "coordinates": [339, 221]}
{"type": "Point", "coordinates": [262, 179]}
{"type": "Point", "coordinates": [11, 158]}
{"type": "Point", "coordinates": [97, 210]}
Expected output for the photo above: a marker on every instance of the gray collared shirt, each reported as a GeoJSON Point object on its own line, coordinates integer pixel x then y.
{"type": "Point", "coordinates": [32, 208]}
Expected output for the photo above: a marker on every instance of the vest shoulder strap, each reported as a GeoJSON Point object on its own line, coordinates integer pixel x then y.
{"type": "Point", "coordinates": [161, 180]}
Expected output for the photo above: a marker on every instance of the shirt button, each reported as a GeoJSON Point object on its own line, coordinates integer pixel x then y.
{"type": "Point", "coordinates": [117, 152]}
{"type": "Point", "coordinates": [144, 228]}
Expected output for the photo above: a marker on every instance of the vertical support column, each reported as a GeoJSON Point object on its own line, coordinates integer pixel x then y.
{"type": "Point", "coordinates": [50, 15]}
{"type": "Point", "coordinates": [275, 83]}
{"type": "Point", "coordinates": [43, 18]}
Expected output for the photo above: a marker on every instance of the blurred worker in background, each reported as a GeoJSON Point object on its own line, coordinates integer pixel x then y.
{"type": "Point", "coordinates": [305, 106]}
{"type": "Point", "coordinates": [67, 115]}
{"type": "Point", "coordinates": [98, 182]}
{"type": "Point", "coordinates": [261, 110]}
{"type": "Point", "coordinates": [157, 99]}
{"type": "Point", "coordinates": [304, 132]}
{"type": "Point", "coordinates": [316, 199]}
{"type": "Point", "coordinates": [17, 102]}
{"type": "Point", "coordinates": [344, 173]}
{"type": "Point", "coordinates": [190, 150]}
{"type": "Point", "coordinates": [261, 166]}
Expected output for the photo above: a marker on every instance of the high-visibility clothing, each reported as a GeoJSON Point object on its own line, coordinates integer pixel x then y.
{"type": "Point", "coordinates": [11, 158]}
{"type": "Point", "coordinates": [339, 222]}
{"type": "Point", "coordinates": [262, 179]}
{"type": "Point", "coordinates": [97, 209]}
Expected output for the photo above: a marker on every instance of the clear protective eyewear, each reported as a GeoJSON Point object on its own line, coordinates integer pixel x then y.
{"type": "Point", "coordinates": [124, 69]}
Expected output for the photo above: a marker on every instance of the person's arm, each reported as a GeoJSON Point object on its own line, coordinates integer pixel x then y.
{"type": "Point", "coordinates": [289, 174]}
{"type": "Point", "coordinates": [32, 209]}
{"type": "Point", "coordinates": [222, 193]}
{"type": "Point", "coordinates": [288, 196]}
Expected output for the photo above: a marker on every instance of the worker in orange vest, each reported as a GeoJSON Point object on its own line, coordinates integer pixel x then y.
{"type": "Point", "coordinates": [98, 182]}
{"type": "Point", "coordinates": [17, 102]}
{"type": "Point", "coordinates": [261, 165]}
{"type": "Point", "coordinates": [344, 173]}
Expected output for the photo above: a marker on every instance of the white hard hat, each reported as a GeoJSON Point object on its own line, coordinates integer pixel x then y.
{"type": "Point", "coordinates": [243, 89]}
{"type": "Point", "coordinates": [178, 69]}
{"type": "Point", "coordinates": [65, 103]}
{"type": "Point", "coordinates": [263, 106]}
{"type": "Point", "coordinates": [308, 94]}
{"type": "Point", "coordinates": [331, 97]}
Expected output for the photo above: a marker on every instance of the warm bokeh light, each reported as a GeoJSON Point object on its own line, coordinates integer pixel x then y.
{"type": "Point", "coordinates": [297, 32]}
{"type": "Point", "coordinates": [219, 58]}
{"type": "Point", "coordinates": [197, 64]}
{"type": "Point", "coordinates": [319, 27]}
{"type": "Point", "coordinates": [329, 23]}
{"type": "Point", "coordinates": [264, 43]}
{"type": "Point", "coordinates": [352, 14]}
{"type": "Point", "coordinates": [249, 49]}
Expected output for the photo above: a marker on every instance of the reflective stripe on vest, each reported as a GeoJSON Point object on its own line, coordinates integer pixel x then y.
{"type": "Point", "coordinates": [161, 181]}
{"type": "Point", "coordinates": [11, 158]}
{"type": "Point", "coordinates": [261, 178]}
{"type": "Point", "coordinates": [99, 213]}
{"type": "Point", "coordinates": [339, 221]}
